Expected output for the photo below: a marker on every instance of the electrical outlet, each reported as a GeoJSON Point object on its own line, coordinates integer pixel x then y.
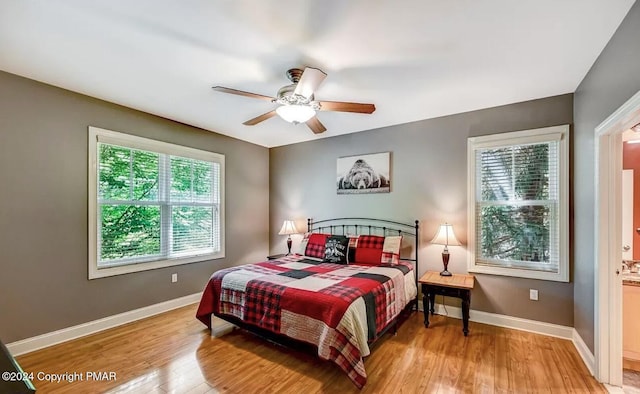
{"type": "Point", "coordinates": [174, 278]}
{"type": "Point", "coordinates": [533, 294]}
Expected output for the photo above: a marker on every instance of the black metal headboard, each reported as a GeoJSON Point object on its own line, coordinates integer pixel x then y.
{"type": "Point", "coordinates": [368, 226]}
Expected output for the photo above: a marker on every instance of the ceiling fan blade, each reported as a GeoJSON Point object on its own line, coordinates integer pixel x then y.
{"type": "Point", "coordinates": [309, 81]}
{"type": "Point", "coordinates": [258, 119]}
{"type": "Point", "coordinates": [242, 93]}
{"type": "Point", "coordinates": [315, 125]}
{"type": "Point", "coordinates": [347, 107]}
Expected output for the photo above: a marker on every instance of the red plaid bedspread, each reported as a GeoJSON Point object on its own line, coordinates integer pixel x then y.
{"type": "Point", "coordinates": [338, 308]}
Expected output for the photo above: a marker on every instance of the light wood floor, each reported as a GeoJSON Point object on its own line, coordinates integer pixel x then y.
{"type": "Point", "coordinates": [173, 352]}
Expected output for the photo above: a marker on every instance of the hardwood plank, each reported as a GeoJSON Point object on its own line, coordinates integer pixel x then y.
{"type": "Point", "coordinates": [547, 349]}
{"type": "Point", "coordinates": [484, 347]}
{"type": "Point", "coordinates": [452, 365]}
{"type": "Point", "coordinates": [534, 361]}
{"type": "Point", "coordinates": [428, 348]}
{"type": "Point", "coordinates": [502, 375]}
{"type": "Point", "coordinates": [518, 363]}
{"type": "Point", "coordinates": [173, 352]}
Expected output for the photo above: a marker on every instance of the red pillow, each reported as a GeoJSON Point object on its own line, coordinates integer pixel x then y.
{"type": "Point", "coordinates": [369, 249]}
{"type": "Point", "coordinates": [316, 245]}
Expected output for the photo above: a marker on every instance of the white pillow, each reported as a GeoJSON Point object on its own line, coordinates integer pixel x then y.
{"type": "Point", "coordinates": [303, 244]}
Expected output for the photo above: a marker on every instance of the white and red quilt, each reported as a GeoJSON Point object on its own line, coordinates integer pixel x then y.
{"type": "Point", "coordinates": [338, 308]}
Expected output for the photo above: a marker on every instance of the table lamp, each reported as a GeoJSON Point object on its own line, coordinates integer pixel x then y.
{"type": "Point", "coordinates": [445, 237]}
{"type": "Point", "coordinates": [288, 228]}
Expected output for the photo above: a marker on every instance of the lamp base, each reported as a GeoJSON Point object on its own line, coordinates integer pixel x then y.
{"type": "Point", "coordinates": [288, 245]}
{"type": "Point", "coordinates": [445, 263]}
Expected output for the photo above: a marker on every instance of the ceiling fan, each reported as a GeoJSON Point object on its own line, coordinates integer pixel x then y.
{"type": "Point", "coordinates": [297, 101]}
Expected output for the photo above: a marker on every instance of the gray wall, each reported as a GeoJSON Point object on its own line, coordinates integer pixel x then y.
{"type": "Point", "coordinates": [612, 80]}
{"type": "Point", "coordinates": [43, 209]}
{"type": "Point", "coordinates": [429, 183]}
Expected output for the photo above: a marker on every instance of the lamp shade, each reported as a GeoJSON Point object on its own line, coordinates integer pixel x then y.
{"type": "Point", "coordinates": [445, 236]}
{"type": "Point", "coordinates": [295, 113]}
{"type": "Point", "coordinates": [288, 228]}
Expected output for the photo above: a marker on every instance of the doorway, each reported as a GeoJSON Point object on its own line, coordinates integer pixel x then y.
{"type": "Point", "coordinates": [630, 262]}
{"type": "Point", "coordinates": [608, 241]}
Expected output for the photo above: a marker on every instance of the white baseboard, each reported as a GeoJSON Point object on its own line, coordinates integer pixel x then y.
{"type": "Point", "coordinates": [66, 334]}
{"type": "Point", "coordinates": [584, 352]}
{"type": "Point", "coordinates": [516, 323]}
{"type": "Point", "coordinates": [614, 389]}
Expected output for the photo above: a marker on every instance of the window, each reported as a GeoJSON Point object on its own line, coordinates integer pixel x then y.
{"type": "Point", "coordinates": [151, 204]}
{"type": "Point", "coordinates": [518, 204]}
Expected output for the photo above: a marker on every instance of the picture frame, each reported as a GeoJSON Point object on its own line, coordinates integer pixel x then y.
{"type": "Point", "coordinates": [363, 174]}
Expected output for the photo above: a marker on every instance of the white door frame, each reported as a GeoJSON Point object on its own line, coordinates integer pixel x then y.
{"type": "Point", "coordinates": [608, 237]}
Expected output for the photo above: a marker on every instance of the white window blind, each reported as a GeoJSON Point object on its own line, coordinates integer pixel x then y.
{"type": "Point", "coordinates": [517, 206]}
{"type": "Point", "coordinates": [519, 189]}
{"type": "Point", "coordinates": [154, 206]}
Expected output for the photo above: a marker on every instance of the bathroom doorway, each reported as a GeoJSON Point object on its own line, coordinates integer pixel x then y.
{"type": "Point", "coordinates": [608, 246]}
{"type": "Point", "coordinates": [630, 262]}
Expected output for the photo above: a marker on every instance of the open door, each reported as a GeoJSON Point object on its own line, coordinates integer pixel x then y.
{"type": "Point", "coordinates": [627, 215]}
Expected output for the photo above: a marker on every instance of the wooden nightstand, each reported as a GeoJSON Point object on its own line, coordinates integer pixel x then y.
{"type": "Point", "coordinates": [458, 286]}
{"type": "Point", "coordinates": [276, 256]}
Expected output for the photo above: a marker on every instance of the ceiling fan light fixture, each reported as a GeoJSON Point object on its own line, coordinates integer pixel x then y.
{"type": "Point", "coordinates": [295, 113]}
{"type": "Point", "coordinates": [297, 100]}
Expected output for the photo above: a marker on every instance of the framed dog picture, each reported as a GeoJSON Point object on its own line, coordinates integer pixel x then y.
{"type": "Point", "coordinates": [364, 174]}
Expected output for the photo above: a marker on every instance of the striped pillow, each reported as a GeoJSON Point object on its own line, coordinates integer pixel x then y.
{"type": "Point", "coordinates": [303, 244]}
{"type": "Point", "coordinates": [391, 250]}
{"type": "Point", "coordinates": [353, 243]}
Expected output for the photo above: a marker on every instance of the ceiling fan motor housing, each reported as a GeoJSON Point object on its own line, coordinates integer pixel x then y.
{"type": "Point", "coordinates": [286, 96]}
{"type": "Point", "coordinates": [294, 74]}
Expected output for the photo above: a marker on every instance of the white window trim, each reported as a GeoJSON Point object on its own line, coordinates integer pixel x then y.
{"type": "Point", "coordinates": [560, 133]}
{"type": "Point", "coordinates": [96, 135]}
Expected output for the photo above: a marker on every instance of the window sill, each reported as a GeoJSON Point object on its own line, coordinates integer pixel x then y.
{"type": "Point", "coordinates": [103, 272]}
{"type": "Point", "coordinates": [519, 273]}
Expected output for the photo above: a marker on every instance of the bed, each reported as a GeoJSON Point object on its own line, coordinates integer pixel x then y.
{"type": "Point", "coordinates": [350, 283]}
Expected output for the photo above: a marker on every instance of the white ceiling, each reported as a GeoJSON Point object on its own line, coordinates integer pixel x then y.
{"type": "Point", "coordinates": [414, 59]}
